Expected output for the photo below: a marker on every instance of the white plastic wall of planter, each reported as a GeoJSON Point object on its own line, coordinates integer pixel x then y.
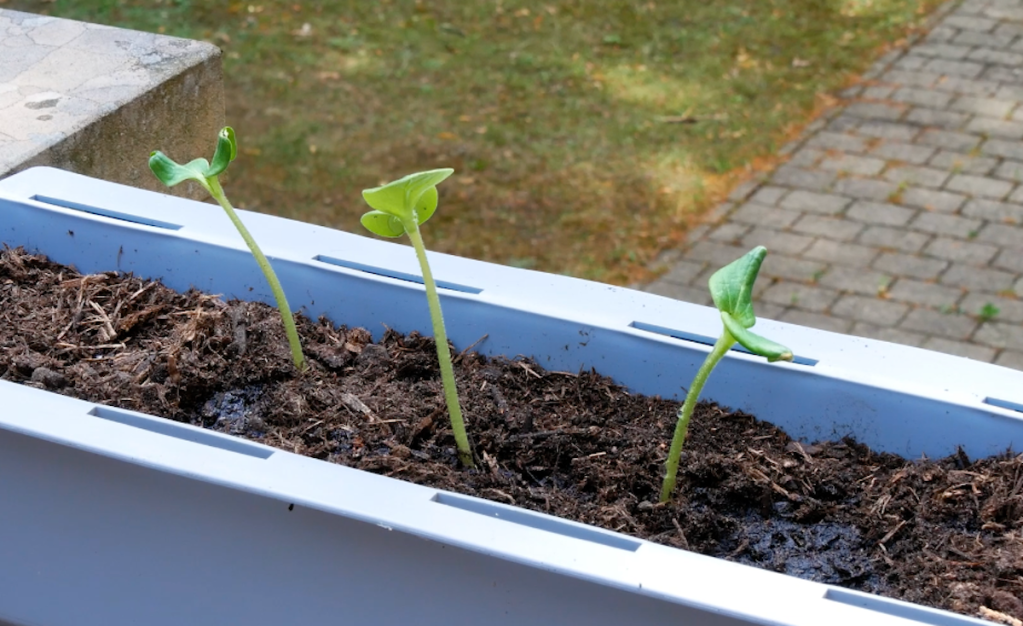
{"type": "Point", "coordinates": [111, 517]}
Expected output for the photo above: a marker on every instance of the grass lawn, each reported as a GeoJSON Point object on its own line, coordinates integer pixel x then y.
{"type": "Point", "coordinates": [587, 135]}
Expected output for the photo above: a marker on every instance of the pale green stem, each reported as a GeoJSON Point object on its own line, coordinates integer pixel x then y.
{"type": "Point", "coordinates": [275, 285]}
{"type": "Point", "coordinates": [721, 347]}
{"type": "Point", "coordinates": [440, 337]}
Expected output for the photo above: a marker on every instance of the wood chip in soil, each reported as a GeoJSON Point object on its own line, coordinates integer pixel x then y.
{"type": "Point", "coordinates": [945, 533]}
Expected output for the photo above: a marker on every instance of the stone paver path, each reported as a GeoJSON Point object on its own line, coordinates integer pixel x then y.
{"type": "Point", "coordinates": [900, 215]}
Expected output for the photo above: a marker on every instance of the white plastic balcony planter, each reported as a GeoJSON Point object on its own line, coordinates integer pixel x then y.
{"type": "Point", "coordinates": [109, 517]}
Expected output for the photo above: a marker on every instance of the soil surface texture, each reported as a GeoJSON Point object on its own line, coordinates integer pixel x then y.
{"type": "Point", "coordinates": [945, 533]}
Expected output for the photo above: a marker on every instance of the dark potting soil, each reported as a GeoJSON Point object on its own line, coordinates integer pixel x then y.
{"type": "Point", "coordinates": [946, 533]}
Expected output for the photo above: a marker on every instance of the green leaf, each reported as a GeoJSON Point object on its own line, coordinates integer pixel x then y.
{"type": "Point", "coordinates": [399, 197]}
{"type": "Point", "coordinates": [427, 205]}
{"type": "Point", "coordinates": [171, 173]}
{"type": "Point", "coordinates": [382, 224]}
{"type": "Point", "coordinates": [761, 346]}
{"type": "Point", "coordinates": [227, 150]}
{"type": "Point", "coordinates": [731, 287]}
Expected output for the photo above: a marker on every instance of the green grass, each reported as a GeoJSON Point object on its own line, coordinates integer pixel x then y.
{"type": "Point", "coordinates": [586, 134]}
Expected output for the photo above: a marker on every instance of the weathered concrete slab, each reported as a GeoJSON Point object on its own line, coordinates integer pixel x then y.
{"type": "Point", "coordinates": [97, 100]}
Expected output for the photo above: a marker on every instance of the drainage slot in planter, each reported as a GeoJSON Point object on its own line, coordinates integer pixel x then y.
{"type": "Point", "coordinates": [379, 271]}
{"type": "Point", "coordinates": [704, 339]}
{"type": "Point", "coordinates": [1004, 404]}
{"type": "Point", "coordinates": [171, 429]}
{"type": "Point", "coordinates": [895, 608]}
{"type": "Point", "coordinates": [539, 522]}
{"type": "Point", "coordinates": [124, 217]}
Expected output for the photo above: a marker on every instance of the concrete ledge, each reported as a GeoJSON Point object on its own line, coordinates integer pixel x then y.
{"type": "Point", "coordinates": [97, 100]}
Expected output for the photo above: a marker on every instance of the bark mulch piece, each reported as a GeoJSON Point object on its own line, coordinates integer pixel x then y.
{"type": "Point", "coordinates": [946, 533]}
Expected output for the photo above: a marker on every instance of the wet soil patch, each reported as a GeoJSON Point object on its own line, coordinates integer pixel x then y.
{"type": "Point", "coordinates": [946, 533]}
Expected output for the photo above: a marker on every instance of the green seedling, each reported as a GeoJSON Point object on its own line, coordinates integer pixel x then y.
{"type": "Point", "coordinates": [201, 171]}
{"type": "Point", "coordinates": [731, 287]}
{"type": "Point", "coordinates": [989, 312]}
{"type": "Point", "coordinates": [399, 208]}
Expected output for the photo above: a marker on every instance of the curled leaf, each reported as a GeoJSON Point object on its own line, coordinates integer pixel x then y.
{"type": "Point", "coordinates": [227, 150]}
{"type": "Point", "coordinates": [171, 173]}
{"type": "Point", "coordinates": [415, 192]}
{"type": "Point", "coordinates": [383, 224]}
{"type": "Point", "coordinates": [761, 346]}
{"type": "Point", "coordinates": [731, 287]}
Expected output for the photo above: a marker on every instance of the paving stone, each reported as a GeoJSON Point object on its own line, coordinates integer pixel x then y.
{"type": "Point", "coordinates": [950, 325]}
{"type": "Point", "coordinates": [916, 175]}
{"type": "Point", "coordinates": [966, 69]}
{"type": "Point", "coordinates": [1002, 148]}
{"type": "Point", "coordinates": [729, 232]}
{"type": "Point", "coordinates": [743, 190]}
{"type": "Point", "coordinates": [991, 40]}
{"type": "Point", "coordinates": [831, 227]}
{"type": "Point", "coordinates": [929, 98]}
{"type": "Point", "coordinates": [995, 128]}
{"type": "Point", "coordinates": [959, 163]}
{"type": "Point", "coordinates": [769, 311]}
{"type": "Point", "coordinates": [1003, 12]}
{"type": "Point", "coordinates": [993, 211]}
{"type": "Point", "coordinates": [1009, 29]}
{"type": "Point", "coordinates": [913, 62]}
{"type": "Point", "coordinates": [851, 164]}
{"type": "Point", "coordinates": [1000, 335]}
{"type": "Point", "coordinates": [768, 195]}
{"type": "Point", "coordinates": [844, 123]}
{"type": "Point", "coordinates": [802, 295]}
{"type": "Point", "coordinates": [988, 107]}
{"type": "Point", "coordinates": [891, 335]}
{"type": "Point", "coordinates": [682, 272]}
{"type": "Point", "coordinates": [942, 34]}
{"type": "Point", "coordinates": [900, 264]}
{"type": "Point", "coordinates": [684, 293]}
{"type": "Point", "coordinates": [1016, 196]}
{"type": "Point", "coordinates": [1010, 170]}
{"type": "Point", "coordinates": [777, 240]}
{"type": "Point", "coordinates": [841, 253]}
{"type": "Point", "coordinates": [944, 51]}
{"type": "Point", "coordinates": [979, 186]}
{"type": "Point", "coordinates": [854, 280]}
{"type": "Point", "coordinates": [977, 24]}
{"type": "Point", "coordinates": [924, 293]}
{"type": "Point", "coordinates": [715, 253]}
{"type": "Point", "coordinates": [932, 199]}
{"type": "Point", "coordinates": [880, 213]}
{"type": "Point", "coordinates": [893, 239]}
{"type": "Point", "coordinates": [801, 178]}
{"type": "Point", "coordinates": [889, 131]}
{"type": "Point", "coordinates": [1002, 74]}
{"type": "Point", "coordinates": [875, 110]}
{"type": "Point", "coordinates": [877, 92]}
{"type": "Point", "coordinates": [865, 188]}
{"type": "Point", "coordinates": [816, 320]}
{"type": "Point", "coordinates": [984, 278]}
{"type": "Point", "coordinates": [1008, 310]}
{"type": "Point", "coordinates": [878, 311]}
{"type": "Point", "coordinates": [904, 152]}
{"type": "Point", "coordinates": [949, 140]}
{"type": "Point", "coordinates": [792, 268]}
{"type": "Point", "coordinates": [813, 202]}
{"type": "Point", "coordinates": [940, 119]}
{"type": "Point", "coordinates": [945, 224]}
{"type": "Point", "coordinates": [837, 141]}
{"type": "Point", "coordinates": [1009, 259]}
{"type": "Point", "coordinates": [967, 86]}
{"type": "Point", "coordinates": [916, 79]}
{"type": "Point", "coordinates": [960, 348]}
{"type": "Point", "coordinates": [1002, 235]}
{"type": "Point", "coordinates": [1001, 57]}
{"type": "Point", "coordinates": [760, 215]}
{"type": "Point", "coordinates": [806, 157]}
{"type": "Point", "coordinates": [1009, 92]}
{"type": "Point", "coordinates": [957, 250]}
{"type": "Point", "coordinates": [1010, 358]}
